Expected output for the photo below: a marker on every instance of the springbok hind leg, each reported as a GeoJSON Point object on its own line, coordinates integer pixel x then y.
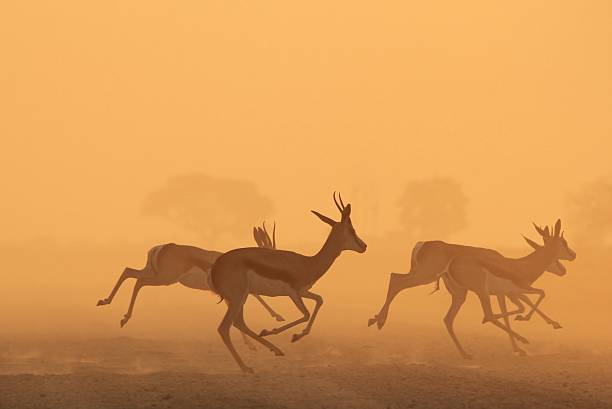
{"type": "Point", "coordinates": [458, 298]}
{"type": "Point", "coordinates": [233, 309]}
{"type": "Point", "coordinates": [501, 300]}
{"type": "Point", "coordinates": [139, 284]}
{"type": "Point", "coordinates": [127, 273]}
{"type": "Point", "coordinates": [397, 283]}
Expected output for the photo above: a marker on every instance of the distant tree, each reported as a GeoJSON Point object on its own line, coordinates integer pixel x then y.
{"type": "Point", "coordinates": [591, 212]}
{"type": "Point", "coordinates": [432, 208]}
{"type": "Point", "coordinates": [208, 206]}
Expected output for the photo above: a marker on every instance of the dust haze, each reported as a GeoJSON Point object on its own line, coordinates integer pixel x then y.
{"type": "Point", "coordinates": [128, 125]}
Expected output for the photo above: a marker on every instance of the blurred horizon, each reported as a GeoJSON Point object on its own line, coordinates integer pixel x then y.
{"type": "Point", "coordinates": [107, 102]}
{"type": "Point", "coordinates": [134, 123]}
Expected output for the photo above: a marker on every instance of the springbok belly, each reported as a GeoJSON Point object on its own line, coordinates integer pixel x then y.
{"type": "Point", "coordinates": [500, 286]}
{"type": "Point", "coordinates": [196, 278]}
{"type": "Point", "coordinates": [266, 286]}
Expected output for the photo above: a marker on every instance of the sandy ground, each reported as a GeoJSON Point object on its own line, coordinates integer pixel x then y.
{"type": "Point", "coordinates": [374, 369]}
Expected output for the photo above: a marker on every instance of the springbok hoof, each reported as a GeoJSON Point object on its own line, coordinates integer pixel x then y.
{"type": "Point", "coordinates": [372, 321]}
{"type": "Point", "coordinates": [102, 302]}
{"type": "Point", "coordinates": [124, 321]}
{"type": "Point", "coordinates": [265, 333]}
{"type": "Point", "coordinates": [297, 337]}
{"type": "Point", "coordinates": [278, 352]}
{"type": "Point", "coordinates": [247, 369]}
{"type": "Point", "coordinates": [279, 318]}
{"type": "Point", "coordinates": [520, 352]}
{"type": "Point", "coordinates": [556, 325]}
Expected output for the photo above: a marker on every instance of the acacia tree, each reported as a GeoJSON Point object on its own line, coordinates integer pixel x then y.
{"type": "Point", "coordinates": [591, 212]}
{"type": "Point", "coordinates": [432, 208]}
{"type": "Point", "coordinates": [208, 206]}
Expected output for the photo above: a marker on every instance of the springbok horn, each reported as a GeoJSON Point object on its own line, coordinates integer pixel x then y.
{"type": "Point", "coordinates": [538, 229]}
{"type": "Point", "coordinates": [341, 202]}
{"type": "Point", "coordinates": [337, 205]}
{"type": "Point", "coordinates": [532, 243]}
{"type": "Point", "coordinates": [557, 227]}
{"type": "Point", "coordinates": [266, 235]}
{"type": "Point", "coordinates": [257, 236]}
{"type": "Point", "coordinates": [274, 236]}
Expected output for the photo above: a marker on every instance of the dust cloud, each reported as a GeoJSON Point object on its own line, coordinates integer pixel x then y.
{"type": "Point", "coordinates": [127, 125]}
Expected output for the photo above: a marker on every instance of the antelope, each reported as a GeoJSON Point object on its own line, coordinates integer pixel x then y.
{"type": "Point", "coordinates": [264, 271]}
{"type": "Point", "coordinates": [171, 263]}
{"type": "Point", "coordinates": [484, 272]}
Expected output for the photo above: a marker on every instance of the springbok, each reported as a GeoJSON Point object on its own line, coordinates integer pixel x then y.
{"type": "Point", "coordinates": [477, 269]}
{"type": "Point", "coordinates": [241, 272]}
{"type": "Point", "coordinates": [171, 263]}
{"type": "Point", "coordinates": [500, 288]}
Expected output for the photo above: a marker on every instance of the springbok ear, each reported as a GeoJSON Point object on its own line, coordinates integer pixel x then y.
{"type": "Point", "coordinates": [532, 243]}
{"type": "Point", "coordinates": [558, 228]}
{"type": "Point", "coordinates": [546, 232]}
{"type": "Point", "coordinates": [346, 213]}
{"type": "Point", "coordinates": [324, 218]}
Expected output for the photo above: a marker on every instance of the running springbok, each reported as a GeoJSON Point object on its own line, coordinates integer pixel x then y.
{"type": "Point", "coordinates": [241, 272]}
{"type": "Point", "coordinates": [171, 263]}
{"type": "Point", "coordinates": [477, 269]}
{"type": "Point", "coordinates": [501, 289]}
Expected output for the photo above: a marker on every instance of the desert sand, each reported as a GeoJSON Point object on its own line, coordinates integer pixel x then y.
{"type": "Point", "coordinates": [398, 368]}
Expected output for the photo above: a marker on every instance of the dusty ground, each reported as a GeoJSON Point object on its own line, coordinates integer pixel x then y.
{"type": "Point", "coordinates": [370, 370]}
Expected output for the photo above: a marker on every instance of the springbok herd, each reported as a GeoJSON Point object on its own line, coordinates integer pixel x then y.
{"type": "Point", "coordinates": [268, 271]}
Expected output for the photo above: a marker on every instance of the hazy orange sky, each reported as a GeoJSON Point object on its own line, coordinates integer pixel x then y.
{"type": "Point", "coordinates": [104, 101]}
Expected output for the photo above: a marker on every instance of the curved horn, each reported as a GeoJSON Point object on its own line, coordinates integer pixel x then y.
{"type": "Point", "coordinates": [341, 202]}
{"type": "Point", "coordinates": [341, 208]}
{"type": "Point", "coordinates": [539, 229]}
{"type": "Point", "coordinates": [274, 236]}
{"type": "Point", "coordinates": [557, 227]}
{"type": "Point", "coordinates": [266, 235]}
{"type": "Point", "coordinates": [532, 243]}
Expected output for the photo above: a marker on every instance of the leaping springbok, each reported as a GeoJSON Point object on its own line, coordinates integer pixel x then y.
{"type": "Point", "coordinates": [485, 272]}
{"type": "Point", "coordinates": [171, 263]}
{"type": "Point", "coordinates": [241, 272]}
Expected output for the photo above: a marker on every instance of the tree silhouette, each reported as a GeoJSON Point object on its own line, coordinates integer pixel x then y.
{"type": "Point", "coordinates": [591, 212]}
{"type": "Point", "coordinates": [208, 206]}
{"type": "Point", "coordinates": [432, 209]}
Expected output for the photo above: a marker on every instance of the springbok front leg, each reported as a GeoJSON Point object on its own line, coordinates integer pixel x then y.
{"type": "Point", "coordinates": [127, 273]}
{"type": "Point", "coordinates": [534, 306]}
{"type": "Point", "coordinates": [319, 302]}
{"type": "Point", "coordinates": [501, 300]}
{"type": "Point", "coordinates": [397, 283]}
{"type": "Point", "coordinates": [273, 313]}
{"type": "Point", "coordinates": [485, 302]}
{"type": "Point", "coordinates": [299, 303]}
{"type": "Point", "coordinates": [545, 317]}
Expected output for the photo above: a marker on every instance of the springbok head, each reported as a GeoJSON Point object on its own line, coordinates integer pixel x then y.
{"type": "Point", "coordinates": [343, 231]}
{"type": "Point", "coordinates": [556, 243]}
{"type": "Point", "coordinates": [262, 237]}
